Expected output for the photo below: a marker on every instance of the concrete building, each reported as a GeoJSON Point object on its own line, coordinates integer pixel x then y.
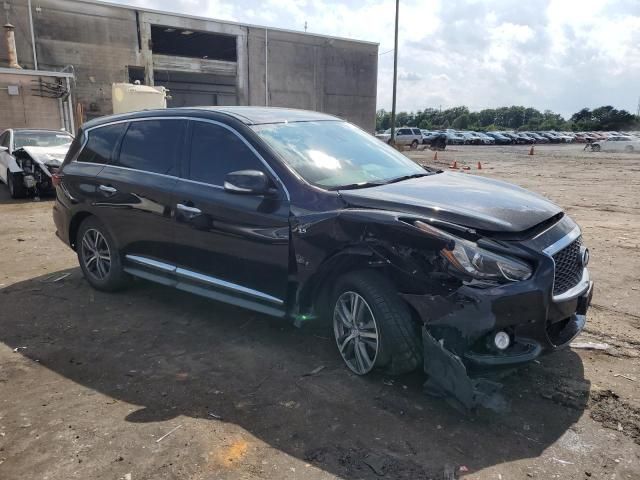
{"type": "Point", "coordinates": [201, 61]}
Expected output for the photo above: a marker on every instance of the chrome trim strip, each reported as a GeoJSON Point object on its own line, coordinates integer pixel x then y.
{"type": "Point", "coordinates": [197, 119]}
{"type": "Point", "coordinates": [147, 262]}
{"type": "Point", "coordinates": [227, 285]}
{"type": "Point", "coordinates": [576, 291]}
{"type": "Point", "coordinates": [183, 272]}
{"type": "Point", "coordinates": [563, 242]}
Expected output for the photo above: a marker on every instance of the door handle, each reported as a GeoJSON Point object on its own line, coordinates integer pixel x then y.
{"type": "Point", "coordinates": [107, 189]}
{"type": "Point", "coordinates": [190, 210]}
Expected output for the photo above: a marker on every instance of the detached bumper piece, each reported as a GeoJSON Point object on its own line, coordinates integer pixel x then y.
{"type": "Point", "coordinates": [448, 378]}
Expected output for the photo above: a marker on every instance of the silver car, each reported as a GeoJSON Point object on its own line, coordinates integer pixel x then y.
{"type": "Point", "coordinates": [405, 136]}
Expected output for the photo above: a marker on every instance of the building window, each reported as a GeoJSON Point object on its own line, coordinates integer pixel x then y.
{"type": "Point", "coordinates": [180, 42]}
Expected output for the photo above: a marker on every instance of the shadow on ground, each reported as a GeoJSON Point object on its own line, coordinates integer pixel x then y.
{"type": "Point", "coordinates": [177, 354]}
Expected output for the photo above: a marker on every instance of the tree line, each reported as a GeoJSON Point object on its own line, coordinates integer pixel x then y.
{"type": "Point", "coordinates": [511, 118]}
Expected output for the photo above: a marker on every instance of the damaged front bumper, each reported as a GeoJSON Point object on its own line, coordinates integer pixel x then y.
{"type": "Point", "coordinates": [459, 328]}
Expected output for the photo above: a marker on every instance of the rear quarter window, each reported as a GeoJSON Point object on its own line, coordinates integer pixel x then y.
{"type": "Point", "coordinates": [101, 144]}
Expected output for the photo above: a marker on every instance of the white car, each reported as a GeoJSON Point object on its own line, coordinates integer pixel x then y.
{"type": "Point", "coordinates": [29, 158]}
{"type": "Point", "coordinates": [404, 136]}
{"type": "Point", "coordinates": [617, 143]}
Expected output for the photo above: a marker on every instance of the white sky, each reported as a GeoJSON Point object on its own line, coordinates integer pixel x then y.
{"type": "Point", "coordinates": [561, 55]}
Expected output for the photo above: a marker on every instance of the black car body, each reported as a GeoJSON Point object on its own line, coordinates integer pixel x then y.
{"type": "Point", "coordinates": [242, 204]}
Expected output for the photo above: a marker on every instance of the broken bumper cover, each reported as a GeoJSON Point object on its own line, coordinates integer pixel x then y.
{"type": "Point", "coordinates": [458, 330]}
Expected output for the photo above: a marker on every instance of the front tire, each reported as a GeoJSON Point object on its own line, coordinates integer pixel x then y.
{"type": "Point", "coordinates": [373, 327]}
{"type": "Point", "coordinates": [16, 188]}
{"type": "Point", "coordinates": [99, 257]}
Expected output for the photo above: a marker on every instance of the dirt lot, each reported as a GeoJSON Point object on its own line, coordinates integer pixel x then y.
{"type": "Point", "coordinates": [154, 383]}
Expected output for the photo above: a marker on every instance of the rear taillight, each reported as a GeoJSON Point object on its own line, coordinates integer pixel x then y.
{"type": "Point", "coordinates": [56, 179]}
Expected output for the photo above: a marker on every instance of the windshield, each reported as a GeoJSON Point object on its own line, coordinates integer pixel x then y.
{"type": "Point", "coordinates": [40, 139]}
{"type": "Point", "coordinates": [333, 154]}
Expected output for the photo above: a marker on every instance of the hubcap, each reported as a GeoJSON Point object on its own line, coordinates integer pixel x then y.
{"type": "Point", "coordinates": [356, 332]}
{"type": "Point", "coordinates": [96, 254]}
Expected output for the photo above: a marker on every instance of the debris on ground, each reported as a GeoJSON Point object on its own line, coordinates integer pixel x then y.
{"type": "Point", "coordinates": [216, 416]}
{"type": "Point", "coordinates": [17, 349]}
{"type": "Point", "coordinates": [61, 277]}
{"type": "Point", "coordinates": [589, 346]}
{"type": "Point", "coordinates": [624, 376]}
{"type": "Point", "coordinates": [168, 433]}
{"type": "Point", "coordinates": [315, 371]}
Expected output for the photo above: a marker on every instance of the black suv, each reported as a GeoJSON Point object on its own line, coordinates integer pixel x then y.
{"type": "Point", "coordinates": [302, 215]}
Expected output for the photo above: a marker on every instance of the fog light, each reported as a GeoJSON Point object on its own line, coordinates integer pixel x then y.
{"type": "Point", "coordinates": [502, 340]}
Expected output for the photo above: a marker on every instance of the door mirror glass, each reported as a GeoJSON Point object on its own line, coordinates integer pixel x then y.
{"type": "Point", "coordinates": [251, 182]}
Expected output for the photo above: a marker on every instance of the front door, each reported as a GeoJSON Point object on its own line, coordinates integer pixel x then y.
{"type": "Point", "coordinates": [236, 245]}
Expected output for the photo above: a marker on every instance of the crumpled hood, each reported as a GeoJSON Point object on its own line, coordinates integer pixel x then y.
{"type": "Point", "coordinates": [53, 156]}
{"type": "Point", "coordinates": [468, 200]}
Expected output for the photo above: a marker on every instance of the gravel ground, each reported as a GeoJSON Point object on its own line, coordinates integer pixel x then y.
{"type": "Point", "coordinates": [155, 383]}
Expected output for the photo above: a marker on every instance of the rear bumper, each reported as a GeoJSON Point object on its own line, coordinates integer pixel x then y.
{"type": "Point", "coordinates": [61, 219]}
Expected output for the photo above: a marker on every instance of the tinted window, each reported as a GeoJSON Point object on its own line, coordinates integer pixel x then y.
{"type": "Point", "coordinates": [216, 151]}
{"type": "Point", "coordinates": [4, 139]}
{"type": "Point", "coordinates": [101, 143]}
{"type": "Point", "coordinates": [152, 146]}
{"type": "Point", "coordinates": [416, 131]}
{"type": "Point", "coordinates": [404, 131]}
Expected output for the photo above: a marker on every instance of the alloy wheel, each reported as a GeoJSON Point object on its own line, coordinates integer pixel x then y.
{"type": "Point", "coordinates": [356, 332]}
{"type": "Point", "coordinates": [96, 254]}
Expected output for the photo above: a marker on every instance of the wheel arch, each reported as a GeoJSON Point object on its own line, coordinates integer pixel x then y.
{"type": "Point", "coordinates": [74, 225]}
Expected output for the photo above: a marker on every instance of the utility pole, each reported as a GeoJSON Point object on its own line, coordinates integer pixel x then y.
{"type": "Point", "coordinates": [638, 111]}
{"type": "Point", "coordinates": [395, 79]}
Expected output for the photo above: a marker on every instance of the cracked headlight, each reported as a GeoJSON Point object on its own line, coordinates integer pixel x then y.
{"type": "Point", "coordinates": [476, 262]}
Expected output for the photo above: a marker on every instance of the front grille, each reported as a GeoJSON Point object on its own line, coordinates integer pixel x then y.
{"type": "Point", "coordinates": [568, 267]}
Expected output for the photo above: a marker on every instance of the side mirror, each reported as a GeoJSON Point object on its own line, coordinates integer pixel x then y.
{"type": "Point", "coordinates": [248, 182]}
{"type": "Point", "coordinates": [3, 149]}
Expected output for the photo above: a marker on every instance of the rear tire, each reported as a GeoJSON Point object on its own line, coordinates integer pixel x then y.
{"type": "Point", "coordinates": [628, 148]}
{"type": "Point", "coordinates": [383, 334]}
{"type": "Point", "coordinates": [414, 144]}
{"type": "Point", "coordinates": [595, 148]}
{"type": "Point", "coordinates": [99, 257]}
{"type": "Point", "coordinates": [16, 188]}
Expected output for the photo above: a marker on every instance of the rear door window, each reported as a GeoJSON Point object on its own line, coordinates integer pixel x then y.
{"type": "Point", "coordinates": [216, 151]}
{"type": "Point", "coordinates": [153, 146]}
{"type": "Point", "coordinates": [101, 143]}
{"type": "Point", "coordinates": [416, 131]}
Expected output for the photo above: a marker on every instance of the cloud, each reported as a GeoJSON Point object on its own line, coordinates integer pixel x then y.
{"type": "Point", "coordinates": [550, 54]}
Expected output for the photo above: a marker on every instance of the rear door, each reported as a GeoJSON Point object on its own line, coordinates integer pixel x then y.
{"type": "Point", "coordinates": [135, 191]}
{"type": "Point", "coordinates": [233, 245]}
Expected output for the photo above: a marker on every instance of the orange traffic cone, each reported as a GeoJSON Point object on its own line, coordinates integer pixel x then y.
{"type": "Point", "coordinates": [531, 151]}
{"type": "Point", "coordinates": [454, 165]}
{"type": "Point", "coordinates": [435, 156]}
{"type": "Point", "coordinates": [479, 166]}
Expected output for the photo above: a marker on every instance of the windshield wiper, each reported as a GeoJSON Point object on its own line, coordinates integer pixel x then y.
{"type": "Point", "coordinates": [407, 177]}
{"type": "Point", "coordinates": [353, 186]}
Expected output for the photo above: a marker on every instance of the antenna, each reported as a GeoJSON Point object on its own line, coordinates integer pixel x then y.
{"type": "Point", "coordinates": [305, 29]}
{"type": "Point", "coordinates": [638, 111]}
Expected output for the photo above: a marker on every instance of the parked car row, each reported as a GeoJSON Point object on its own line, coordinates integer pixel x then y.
{"type": "Point", "coordinates": [411, 136]}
